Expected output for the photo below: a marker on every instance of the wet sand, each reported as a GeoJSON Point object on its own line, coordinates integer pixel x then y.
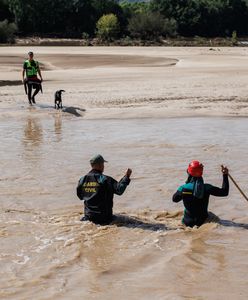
{"type": "Point", "coordinates": [47, 253]}
{"type": "Point", "coordinates": [66, 61]}
{"type": "Point", "coordinates": [107, 82]}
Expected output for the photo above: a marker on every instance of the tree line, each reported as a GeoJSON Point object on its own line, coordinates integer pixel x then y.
{"type": "Point", "coordinates": [112, 19]}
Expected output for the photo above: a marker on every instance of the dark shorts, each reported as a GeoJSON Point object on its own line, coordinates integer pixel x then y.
{"type": "Point", "coordinates": [33, 81]}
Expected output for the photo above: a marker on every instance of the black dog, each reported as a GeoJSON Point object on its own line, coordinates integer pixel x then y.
{"type": "Point", "coordinates": [58, 99]}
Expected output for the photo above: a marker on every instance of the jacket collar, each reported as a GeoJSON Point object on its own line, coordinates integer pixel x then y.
{"type": "Point", "coordinates": [93, 171]}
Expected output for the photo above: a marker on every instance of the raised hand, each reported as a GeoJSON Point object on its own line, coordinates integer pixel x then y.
{"type": "Point", "coordinates": [224, 170]}
{"type": "Point", "coordinates": [128, 172]}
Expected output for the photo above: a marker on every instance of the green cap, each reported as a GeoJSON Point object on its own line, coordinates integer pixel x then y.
{"type": "Point", "coordinates": [97, 159]}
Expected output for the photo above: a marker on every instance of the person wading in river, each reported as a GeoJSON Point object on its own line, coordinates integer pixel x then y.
{"type": "Point", "coordinates": [195, 194]}
{"type": "Point", "coordinates": [31, 68]}
{"type": "Point", "coordinates": [97, 191]}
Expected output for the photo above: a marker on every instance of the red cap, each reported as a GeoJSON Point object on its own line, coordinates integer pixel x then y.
{"type": "Point", "coordinates": [195, 168]}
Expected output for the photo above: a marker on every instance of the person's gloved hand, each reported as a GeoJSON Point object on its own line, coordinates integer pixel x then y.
{"type": "Point", "coordinates": [128, 172]}
{"type": "Point", "coordinates": [224, 170]}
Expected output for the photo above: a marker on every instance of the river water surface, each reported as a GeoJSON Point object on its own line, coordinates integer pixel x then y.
{"type": "Point", "coordinates": [47, 253]}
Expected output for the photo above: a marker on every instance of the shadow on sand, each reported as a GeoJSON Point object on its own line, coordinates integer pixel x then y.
{"type": "Point", "coordinates": [76, 111]}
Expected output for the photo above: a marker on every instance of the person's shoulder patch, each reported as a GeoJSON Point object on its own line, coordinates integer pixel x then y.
{"type": "Point", "coordinates": [186, 186]}
{"type": "Point", "coordinates": [186, 189]}
{"type": "Point", "coordinates": [180, 189]}
{"type": "Point", "coordinates": [101, 178]}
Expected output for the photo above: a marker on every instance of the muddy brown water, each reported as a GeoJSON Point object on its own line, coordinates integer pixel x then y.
{"type": "Point", "coordinates": [47, 253]}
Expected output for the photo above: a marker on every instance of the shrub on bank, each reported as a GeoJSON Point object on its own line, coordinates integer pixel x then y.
{"type": "Point", "coordinates": [151, 25]}
{"type": "Point", "coordinates": [108, 27]}
{"type": "Point", "coordinates": [234, 38]}
{"type": "Point", "coordinates": [7, 32]}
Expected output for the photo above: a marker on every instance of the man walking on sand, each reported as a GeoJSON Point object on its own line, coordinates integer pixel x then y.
{"type": "Point", "coordinates": [97, 190]}
{"type": "Point", "coordinates": [31, 68]}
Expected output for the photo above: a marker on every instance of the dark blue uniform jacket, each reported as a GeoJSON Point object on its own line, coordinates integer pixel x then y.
{"type": "Point", "coordinates": [97, 191]}
{"type": "Point", "coordinates": [196, 210]}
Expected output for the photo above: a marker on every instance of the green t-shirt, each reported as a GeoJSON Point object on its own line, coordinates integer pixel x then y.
{"type": "Point", "coordinates": [31, 68]}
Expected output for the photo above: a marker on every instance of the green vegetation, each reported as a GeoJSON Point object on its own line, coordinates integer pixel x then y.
{"type": "Point", "coordinates": [5, 13]}
{"type": "Point", "coordinates": [108, 27]}
{"type": "Point", "coordinates": [147, 20]}
{"type": "Point", "coordinates": [7, 31]}
{"type": "Point", "coordinates": [151, 25]}
{"type": "Point", "coordinates": [234, 38]}
{"type": "Point", "coordinates": [206, 17]}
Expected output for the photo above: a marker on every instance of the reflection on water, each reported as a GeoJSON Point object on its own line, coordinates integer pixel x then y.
{"type": "Point", "coordinates": [32, 132]}
{"type": "Point", "coordinates": [58, 126]}
{"type": "Point", "coordinates": [32, 139]}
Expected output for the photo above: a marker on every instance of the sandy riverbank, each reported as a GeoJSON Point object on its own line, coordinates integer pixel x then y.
{"type": "Point", "coordinates": [136, 82]}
